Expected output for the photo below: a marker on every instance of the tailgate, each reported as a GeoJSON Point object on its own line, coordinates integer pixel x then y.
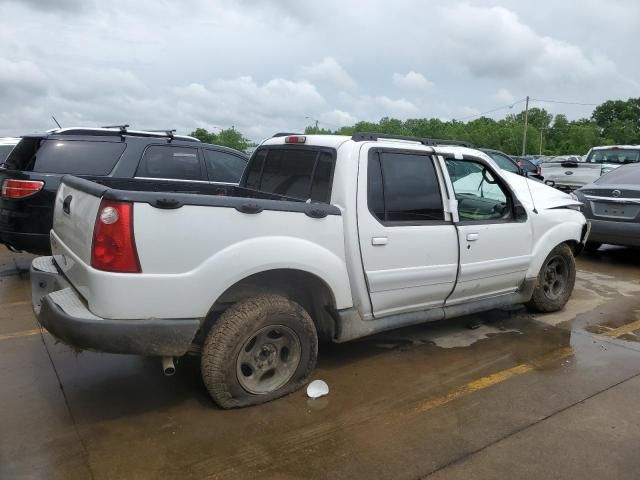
{"type": "Point", "coordinates": [571, 173]}
{"type": "Point", "coordinates": [74, 217]}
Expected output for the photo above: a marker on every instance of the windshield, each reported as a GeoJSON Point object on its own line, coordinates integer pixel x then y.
{"type": "Point", "coordinates": [614, 155]}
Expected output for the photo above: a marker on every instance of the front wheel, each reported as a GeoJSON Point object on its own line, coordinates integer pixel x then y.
{"type": "Point", "coordinates": [555, 281]}
{"type": "Point", "coordinates": [260, 349]}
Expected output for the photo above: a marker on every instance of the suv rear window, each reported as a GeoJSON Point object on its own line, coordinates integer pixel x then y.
{"type": "Point", "coordinates": [301, 173]}
{"type": "Point", "coordinates": [78, 157]}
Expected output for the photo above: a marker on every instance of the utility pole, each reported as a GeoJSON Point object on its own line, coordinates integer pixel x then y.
{"type": "Point", "coordinates": [541, 132]}
{"type": "Point", "coordinates": [526, 124]}
{"type": "Point", "coordinates": [316, 127]}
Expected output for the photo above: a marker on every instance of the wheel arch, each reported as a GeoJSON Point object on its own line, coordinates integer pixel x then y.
{"type": "Point", "coordinates": [567, 233]}
{"type": "Point", "coordinates": [307, 289]}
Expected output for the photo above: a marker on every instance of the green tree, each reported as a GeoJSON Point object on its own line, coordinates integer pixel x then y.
{"type": "Point", "coordinates": [619, 120]}
{"type": "Point", "coordinates": [229, 137]}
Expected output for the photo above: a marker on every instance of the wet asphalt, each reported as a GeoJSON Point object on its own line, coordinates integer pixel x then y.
{"type": "Point", "coordinates": [521, 396]}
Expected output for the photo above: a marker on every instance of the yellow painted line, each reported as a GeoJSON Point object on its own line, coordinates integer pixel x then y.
{"type": "Point", "coordinates": [493, 379]}
{"type": "Point", "coordinates": [623, 330]}
{"type": "Point", "coordinates": [24, 333]}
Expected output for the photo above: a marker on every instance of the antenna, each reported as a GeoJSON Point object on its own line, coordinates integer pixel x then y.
{"type": "Point", "coordinates": [54, 119]}
{"type": "Point", "coordinates": [533, 203]}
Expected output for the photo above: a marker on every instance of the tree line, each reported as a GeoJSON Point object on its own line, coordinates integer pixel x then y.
{"type": "Point", "coordinates": [612, 122]}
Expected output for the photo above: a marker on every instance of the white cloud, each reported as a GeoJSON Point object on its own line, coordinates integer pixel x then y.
{"type": "Point", "coordinates": [263, 67]}
{"type": "Point", "coordinates": [328, 70]}
{"type": "Point", "coordinates": [503, 96]}
{"type": "Point", "coordinates": [411, 80]}
{"type": "Point", "coordinates": [493, 42]}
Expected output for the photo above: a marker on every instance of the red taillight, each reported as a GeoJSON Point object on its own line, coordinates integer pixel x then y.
{"type": "Point", "coordinates": [114, 247]}
{"type": "Point", "coordinates": [20, 188]}
{"type": "Point", "coordinates": [295, 139]}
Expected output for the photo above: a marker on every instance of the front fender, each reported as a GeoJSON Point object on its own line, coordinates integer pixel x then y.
{"type": "Point", "coordinates": [568, 226]}
{"type": "Point", "coordinates": [246, 258]}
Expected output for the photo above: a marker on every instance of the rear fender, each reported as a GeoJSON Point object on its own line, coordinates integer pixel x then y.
{"type": "Point", "coordinates": [247, 258]}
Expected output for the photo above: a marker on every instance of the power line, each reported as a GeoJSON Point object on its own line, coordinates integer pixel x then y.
{"type": "Point", "coordinates": [511, 105]}
{"type": "Point", "coordinates": [565, 103]}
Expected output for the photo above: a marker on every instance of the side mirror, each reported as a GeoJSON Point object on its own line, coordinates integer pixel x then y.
{"type": "Point", "coordinates": [551, 183]}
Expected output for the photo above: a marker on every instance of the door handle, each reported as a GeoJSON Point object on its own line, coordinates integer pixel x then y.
{"type": "Point", "coordinates": [379, 241]}
{"type": "Point", "coordinates": [472, 237]}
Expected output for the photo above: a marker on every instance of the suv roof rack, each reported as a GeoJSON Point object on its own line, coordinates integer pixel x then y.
{"type": "Point", "coordinates": [429, 142]}
{"type": "Point", "coordinates": [121, 130]}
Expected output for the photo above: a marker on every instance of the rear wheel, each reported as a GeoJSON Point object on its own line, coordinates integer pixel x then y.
{"type": "Point", "coordinates": [259, 349]}
{"type": "Point", "coordinates": [592, 247]}
{"type": "Point", "coordinates": [555, 281]}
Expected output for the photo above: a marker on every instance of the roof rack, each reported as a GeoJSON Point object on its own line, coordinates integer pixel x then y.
{"type": "Point", "coordinates": [430, 142]}
{"type": "Point", "coordinates": [122, 130]}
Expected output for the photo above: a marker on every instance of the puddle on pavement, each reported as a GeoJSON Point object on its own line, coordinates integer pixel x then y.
{"type": "Point", "coordinates": [624, 326]}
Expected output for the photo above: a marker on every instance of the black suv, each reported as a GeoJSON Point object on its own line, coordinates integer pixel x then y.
{"type": "Point", "coordinates": [31, 174]}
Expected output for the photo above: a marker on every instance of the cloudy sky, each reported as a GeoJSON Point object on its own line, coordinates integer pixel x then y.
{"type": "Point", "coordinates": [264, 66]}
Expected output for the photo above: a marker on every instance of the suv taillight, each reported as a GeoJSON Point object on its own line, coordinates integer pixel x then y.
{"type": "Point", "coordinates": [114, 247]}
{"type": "Point", "coordinates": [20, 188]}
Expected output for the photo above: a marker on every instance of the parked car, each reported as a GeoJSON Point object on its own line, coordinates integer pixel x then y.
{"type": "Point", "coordinates": [511, 164]}
{"type": "Point", "coordinates": [612, 205]}
{"type": "Point", "coordinates": [570, 175]}
{"type": "Point", "coordinates": [326, 238]}
{"type": "Point", "coordinates": [6, 145]}
{"type": "Point", "coordinates": [30, 176]}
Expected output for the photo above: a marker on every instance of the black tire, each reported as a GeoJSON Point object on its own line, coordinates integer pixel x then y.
{"type": "Point", "coordinates": [241, 348]}
{"type": "Point", "coordinates": [555, 281]}
{"type": "Point", "coordinates": [592, 247]}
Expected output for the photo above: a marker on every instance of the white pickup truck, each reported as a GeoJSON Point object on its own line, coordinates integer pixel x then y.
{"type": "Point", "coordinates": [569, 175]}
{"type": "Point", "coordinates": [327, 237]}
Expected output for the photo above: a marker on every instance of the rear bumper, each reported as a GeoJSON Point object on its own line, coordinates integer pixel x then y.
{"type": "Point", "coordinates": [62, 311]}
{"type": "Point", "coordinates": [617, 233]}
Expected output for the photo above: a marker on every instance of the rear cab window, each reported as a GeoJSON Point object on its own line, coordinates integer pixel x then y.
{"type": "Point", "coordinates": [614, 155]}
{"type": "Point", "coordinates": [301, 173]}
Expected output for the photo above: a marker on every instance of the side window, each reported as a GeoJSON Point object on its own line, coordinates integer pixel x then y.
{"type": "Point", "coordinates": [223, 166]}
{"type": "Point", "coordinates": [180, 163]}
{"type": "Point", "coordinates": [480, 196]}
{"type": "Point", "coordinates": [403, 187]}
{"type": "Point", "coordinates": [504, 163]}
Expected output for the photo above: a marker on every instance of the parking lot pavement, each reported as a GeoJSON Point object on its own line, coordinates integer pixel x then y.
{"type": "Point", "coordinates": [521, 396]}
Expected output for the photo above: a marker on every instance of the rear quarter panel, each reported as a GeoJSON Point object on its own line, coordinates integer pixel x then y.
{"type": "Point", "coordinates": [192, 255]}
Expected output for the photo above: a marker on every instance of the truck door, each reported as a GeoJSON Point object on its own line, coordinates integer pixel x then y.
{"type": "Point", "coordinates": [495, 243]}
{"type": "Point", "coordinates": [409, 245]}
